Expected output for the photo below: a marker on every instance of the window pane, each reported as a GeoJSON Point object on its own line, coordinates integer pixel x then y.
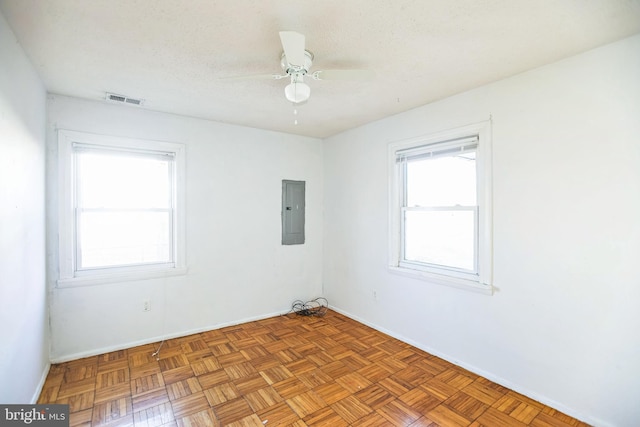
{"type": "Point", "coordinates": [442, 181]}
{"type": "Point", "coordinates": [124, 238]}
{"type": "Point", "coordinates": [440, 237]}
{"type": "Point", "coordinates": [118, 181]}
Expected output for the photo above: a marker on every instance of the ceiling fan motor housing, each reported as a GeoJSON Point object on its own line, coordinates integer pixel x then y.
{"type": "Point", "coordinates": [292, 69]}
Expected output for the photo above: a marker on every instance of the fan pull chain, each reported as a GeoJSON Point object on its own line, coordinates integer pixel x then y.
{"type": "Point", "coordinates": [295, 113]}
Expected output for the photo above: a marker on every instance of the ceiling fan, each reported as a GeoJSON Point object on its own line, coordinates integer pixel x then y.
{"type": "Point", "coordinates": [296, 62]}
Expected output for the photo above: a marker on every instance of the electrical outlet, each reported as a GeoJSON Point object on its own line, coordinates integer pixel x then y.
{"type": "Point", "coordinates": [375, 295]}
{"type": "Point", "coordinates": [146, 305]}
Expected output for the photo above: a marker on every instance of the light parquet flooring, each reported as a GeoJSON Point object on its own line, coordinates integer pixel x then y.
{"type": "Point", "coordinates": [286, 371]}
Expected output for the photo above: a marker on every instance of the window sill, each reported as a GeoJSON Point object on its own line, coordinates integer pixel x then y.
{"type": "Point", "coordinates": [130, 276]}
{"type": "Point", "coordinates": [454, 282]}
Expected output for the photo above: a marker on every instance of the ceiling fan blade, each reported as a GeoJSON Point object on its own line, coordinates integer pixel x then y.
{"type": "Point", "coordinates": [255, 77]}
{"type": "Point", "coordinates": [343, 75]}
{"type": "Point", "coordinates": [293, 46]}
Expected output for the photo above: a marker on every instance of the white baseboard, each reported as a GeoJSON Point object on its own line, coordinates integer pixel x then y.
{"type": "Point", "coordinates": [498, 380]}
{"type": "Point", "coordinates": [123, 346]}
{"type": "Point", "coordinates": [40, 385]}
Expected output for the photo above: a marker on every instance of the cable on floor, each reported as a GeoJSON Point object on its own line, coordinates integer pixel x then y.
{"type": "Point", "coordinates": [316, 307]}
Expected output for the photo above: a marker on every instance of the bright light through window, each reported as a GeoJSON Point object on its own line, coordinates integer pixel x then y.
{"type": "Point", "coordinates": [123, 181]}
{"type": "Point", "coordinates": [124, 208]}
{"type": "Point", "coordinates": [444, 238]}
{"type": "Point", "coordinates": [440, 208]}
{"type": "Point", "coordinates": [440, 214]}
{"type": "Point", "coordinates": [442, 181]}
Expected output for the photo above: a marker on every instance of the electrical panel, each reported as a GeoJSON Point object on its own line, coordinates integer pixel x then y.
{"type": "Point", "coordinates": [293, 207]}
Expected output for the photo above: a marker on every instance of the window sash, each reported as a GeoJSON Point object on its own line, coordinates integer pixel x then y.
{"type": "Point", "coordinates": [398, 154]}
{"type": "Point", "coordinates": [448, 148]}
{"type": "Point", "coordinates": [434, 267]}
{"type": "Point", "coordinates": [68, 141]}
{"type": "Point", "coordinates": [169, 157]}
{"type": "Point", "coordinates": [169, 262]}
{"type": "Point", "coordinates": [79, 147]}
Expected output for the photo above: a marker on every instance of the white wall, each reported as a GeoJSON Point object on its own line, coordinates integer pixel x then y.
{"type": "Point", "coordinates": [24, 345]}
{"type": "Point", "coordinates": [237, 268]}
{"type": "Point", "coordinates": [563, 325]}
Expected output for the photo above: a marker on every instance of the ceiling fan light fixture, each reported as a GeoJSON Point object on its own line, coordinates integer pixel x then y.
{"type": "Point", "coordinates": [297, 92]}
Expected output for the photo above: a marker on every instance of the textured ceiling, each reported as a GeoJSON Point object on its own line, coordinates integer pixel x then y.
{"type": "Point", "coordinates": [172, 53]}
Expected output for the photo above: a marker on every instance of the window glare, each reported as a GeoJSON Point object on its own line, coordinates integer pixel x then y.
{"type": "Point", "coordinates": [441, 237]}
{"type": "Point", "coordinates": [442, 181]}
{"type": "Point", "coordinates": [124, 238]}
{"type": "Point", "coordinates": [120, 181]}
{"type": "Point", "coordinates": [124, 209]}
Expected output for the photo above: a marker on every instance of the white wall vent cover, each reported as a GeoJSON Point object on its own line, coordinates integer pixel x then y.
{"type": "Point", "coordinates": [112, 97]}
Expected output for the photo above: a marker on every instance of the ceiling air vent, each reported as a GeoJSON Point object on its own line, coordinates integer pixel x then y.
{"type": "Point", "coordinates": [112, 97]}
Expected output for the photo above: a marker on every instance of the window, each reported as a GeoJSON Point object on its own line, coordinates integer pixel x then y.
{"type": "Point", "coordinates": [121, 216]}
{"type": "Point", "coordinates": [441, 207]}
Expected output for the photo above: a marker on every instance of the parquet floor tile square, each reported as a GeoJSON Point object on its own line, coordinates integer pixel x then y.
{"type": "Point", "coordinates": [221, 393]}
{"type": "Point", "coordinates": [250, 384]}
{"type": "Point", "coordinates": [325, 417]}
{"type": "Point", "coordinates": [278, 415]}
{"type": "Point", "coordinates": [336, 369]}
{"type": "Point", "coordinates": [399, 413]}
{"type": "Point", "coordinates": [466, 405]}
{"type": "Point", "coordinates": [373, 420]}
{"type": "Point", "coordinates": [154, 416]}
{"type": "Point", "coordinates": [240, 369]}
{"type": "Point", "coordinates": [80, 372]}
{"type": "Point", "coordinates": [116, 411]}
{"type": "Point", "coordinates": [445, 416]}
{"type": "Point", "coordinates": [204, 418]}
{"type": "Point", "coordinates": [375, 396]}
{"type": "Point", "coordinates": [493, 417]}
{"type": "Point", "coordinates": [513, 406]}
{"type": "Point", "coordinates": [189, 404]}
{"type": "Point", "coordinates": [314, 378]}
{"type": "Point", "coordinates": [81, 418]}
{"type": "Point", "coordinates": [353, 382]}
{"type": "Point", "coordinates": [67, 389]}
{"type": "Point", "coordinates": [150, 399]}
{"type": "Point", "coordinates": [373, 372]}
{"type": "Point", "coordinates": [290, 387]}
{"type": "Point", "coordinates": [306, 403]}
{"type": "Point", "coordinates": [441, 390]}
{"type": "Point", "coordinates": [393, 387]}
{"type": "Point", "coordinates": [485, 391]}
{"type": "Point", "coordinates": [205, 365]}
{"type": "Point", "coordinates": [249, 421]}
{"type": "Point", "coordinates": [233, 410]}
{"type": "Point", "coordinates": [331, 392]}
{"type": "Point", "coordinates": [424, 422]}
{"type": "Point", "coordinates": [286, 371]}
{"type": "Point", "coordinates": [112, 392]}
{"type": "Point", "coordinates": [147, 383]}
{"type": "Point", "coordinates": [143, 370]}
{"type": "Point", "coordinates": [420, 400]}
{"type": "Point", "coordinates": [263, 399]}
{"type": "Point", "coordinates": [351, 409]}
{"type": "Point", "coordinates": [183, 388]}
{"type": "Point", "coordinates": [78, 402]}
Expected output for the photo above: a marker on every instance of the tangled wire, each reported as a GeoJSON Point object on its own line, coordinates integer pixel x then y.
{"type": "Point", "coordinates": [316, 307]}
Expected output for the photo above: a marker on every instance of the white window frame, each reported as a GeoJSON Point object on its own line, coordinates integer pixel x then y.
{"type": "Point", "coordinates": [480, 280]}
{"type": "Point", "coordinates": [70, 274]}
